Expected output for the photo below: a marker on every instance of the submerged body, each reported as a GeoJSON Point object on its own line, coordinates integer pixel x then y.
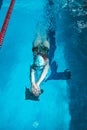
{"type": "Point", "coordinates": [40, 61]}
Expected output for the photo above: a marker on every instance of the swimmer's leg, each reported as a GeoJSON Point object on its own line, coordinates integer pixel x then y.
{"type": "Point", "coordinates": [46, 44]}
{"type": "Point", "coordinates": [38, 39]}
{"type": "Point", "coordinates": [45, 41]}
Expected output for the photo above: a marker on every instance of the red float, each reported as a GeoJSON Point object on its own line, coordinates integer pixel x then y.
{"type": "Point", "coordinates": [5, 24]}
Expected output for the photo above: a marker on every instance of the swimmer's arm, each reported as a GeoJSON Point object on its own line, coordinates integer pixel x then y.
{"type": "Point", "coordinates": [32, 75]}
{"type": "Point", "coordinates": [44, 73]}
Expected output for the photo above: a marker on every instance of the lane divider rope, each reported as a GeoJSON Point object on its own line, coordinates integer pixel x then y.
{"type": "Point", "coordinates": [5, 24]}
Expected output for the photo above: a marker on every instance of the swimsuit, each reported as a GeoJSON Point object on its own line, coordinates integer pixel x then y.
{"type": "Point", "coordinates": [40, 54]}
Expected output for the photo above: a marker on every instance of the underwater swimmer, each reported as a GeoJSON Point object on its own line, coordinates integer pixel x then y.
{"type": "Point", "coordinates": [40, 62]}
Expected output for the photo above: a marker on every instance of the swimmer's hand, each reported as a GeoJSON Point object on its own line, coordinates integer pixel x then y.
{"type": "Point", "coordinates": [35, 90]}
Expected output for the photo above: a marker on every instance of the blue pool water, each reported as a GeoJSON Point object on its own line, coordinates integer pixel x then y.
{"type": "Point", "coordinates": [52, 111]}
